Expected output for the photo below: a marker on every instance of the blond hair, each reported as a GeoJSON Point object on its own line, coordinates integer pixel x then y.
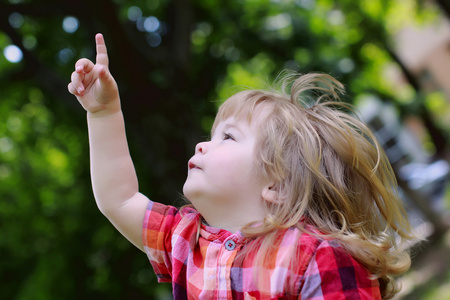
{"type": "Point", "coordinates": [330, 172]}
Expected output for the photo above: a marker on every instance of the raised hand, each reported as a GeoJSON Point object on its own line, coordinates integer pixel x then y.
{"type": "Point", "coordinates": [93, 84]}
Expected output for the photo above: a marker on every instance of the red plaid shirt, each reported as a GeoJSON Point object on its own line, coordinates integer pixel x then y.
{"type": "Point", "coordinates": [209, 268]}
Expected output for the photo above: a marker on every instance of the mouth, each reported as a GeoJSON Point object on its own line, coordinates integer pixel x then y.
{"type": "Point", "coordinates": [192, 166]}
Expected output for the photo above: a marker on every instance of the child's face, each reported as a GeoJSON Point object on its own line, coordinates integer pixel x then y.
{"type": "Point", "coordinates": [222, 172]}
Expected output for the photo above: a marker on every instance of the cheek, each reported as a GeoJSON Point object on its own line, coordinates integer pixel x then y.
{"type": "Point", "coordinates": [238, 171]}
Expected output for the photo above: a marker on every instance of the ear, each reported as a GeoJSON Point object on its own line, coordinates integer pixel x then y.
{"type": "Point", "coordinates": [270, 193]}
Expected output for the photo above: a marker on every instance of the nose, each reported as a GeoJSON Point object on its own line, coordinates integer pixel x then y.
{"type": "Point", "coordinates": [201, 147]}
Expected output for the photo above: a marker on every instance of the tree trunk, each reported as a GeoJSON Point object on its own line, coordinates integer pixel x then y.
{"type": "Point", "coordinates": [438, 137]}
{"type": "Point", "coordinates": [445, 5]}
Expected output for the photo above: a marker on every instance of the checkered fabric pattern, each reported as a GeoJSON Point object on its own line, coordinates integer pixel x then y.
{"type": "Point", "coordinates": [210, 268]}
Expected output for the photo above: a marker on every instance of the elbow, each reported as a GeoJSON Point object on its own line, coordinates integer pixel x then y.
{"type": "Point", "coordinates": [106, 210]}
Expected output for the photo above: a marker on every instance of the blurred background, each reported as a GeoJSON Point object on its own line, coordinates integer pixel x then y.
{"type": "Point", "coordinates": [173, 61]}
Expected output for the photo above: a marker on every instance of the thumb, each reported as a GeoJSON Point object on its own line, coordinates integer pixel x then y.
{"type": "Point", "coordinates": [105, 79]}
{"type": "Point", "coordinates": [102, 73]}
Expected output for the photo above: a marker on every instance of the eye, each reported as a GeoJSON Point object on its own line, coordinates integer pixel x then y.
{"type": "Point", "coordinates": [227, 136]}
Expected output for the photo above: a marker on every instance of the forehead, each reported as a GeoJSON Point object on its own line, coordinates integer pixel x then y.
{"type": "Point", "coordinates": [245, 106]}
{"type": "Point", "coordinates": [240, 126]}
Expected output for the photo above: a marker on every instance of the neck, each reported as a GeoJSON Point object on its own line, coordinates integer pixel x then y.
{"type": "Point", "coordinates": [231, 219]}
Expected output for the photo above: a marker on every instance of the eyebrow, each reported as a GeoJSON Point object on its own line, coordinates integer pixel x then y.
{"type": "Point", "coordinates": [228, 126]}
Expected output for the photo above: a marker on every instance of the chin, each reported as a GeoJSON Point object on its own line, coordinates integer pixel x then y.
{"type": "Point", "coordinates": [193, 189]}
{"type": "Point", "coordinates": [189, 192]}
{"type": "Point", "coordinates": [186, 190]}
{"type": "Point", "coordinates": [193, 196]}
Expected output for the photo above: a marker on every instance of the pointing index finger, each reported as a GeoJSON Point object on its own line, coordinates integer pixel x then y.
{"type": "Point", "coordinates": [102, 54]}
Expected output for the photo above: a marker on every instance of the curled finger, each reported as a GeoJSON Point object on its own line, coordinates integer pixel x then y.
{"type": "Point", "coordinates": [77, 81]}
{"type": "Point", "coordinates": [72, 89]}
{"type": "Point", "coordinates": [84, 65]}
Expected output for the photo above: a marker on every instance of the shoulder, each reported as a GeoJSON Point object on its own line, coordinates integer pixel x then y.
{"type": "Point", "coordinates": [158, 212]}
{"type": "Point", "coordinates": [162, 221]}
{"type": "Point", "coordinates": [321, 252]}
{"type": "Point", "coordinates": [330, 270]}
{"type": "Point", "coordinates": [312, 243]}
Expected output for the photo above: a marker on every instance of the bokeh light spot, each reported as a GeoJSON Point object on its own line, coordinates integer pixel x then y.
{"type": "Point", "coordinates": [15, 20]}
{"type": "Point", "coordinates": [154, 39]}
{"type": "Point", "coordinates": [134, 13]}
{"type": "Point", "coordinates": [70, 24]}
{"type": "Point", "coordinates": [151, 24]}
{"type": "Point", "coordinates": [29, 42]}
{"type": "Point", "coordinates": [13, 53]}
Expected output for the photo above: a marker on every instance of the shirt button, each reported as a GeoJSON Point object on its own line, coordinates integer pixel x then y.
{"type": "Point", "coordinates": [230, 245]}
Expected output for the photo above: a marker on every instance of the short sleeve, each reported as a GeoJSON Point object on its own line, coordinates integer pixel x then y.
{"type": "Point", "coordinates": [159, 223]}
{"type": "Point", "coordinates": [334, 274]}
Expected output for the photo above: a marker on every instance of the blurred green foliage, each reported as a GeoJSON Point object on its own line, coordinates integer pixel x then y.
{"type": "Point", "coordinates": [173, 61]}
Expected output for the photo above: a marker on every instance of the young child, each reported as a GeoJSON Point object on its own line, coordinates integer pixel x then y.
{"type": "Point", "coordinates": [289, 200]}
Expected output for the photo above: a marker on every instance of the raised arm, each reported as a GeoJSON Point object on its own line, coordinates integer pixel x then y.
{"type": "Point", "coordinates": [114, 179]}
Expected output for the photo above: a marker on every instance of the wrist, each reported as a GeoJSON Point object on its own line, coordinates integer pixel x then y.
{"type": "Point", "coordinates": [104, 112]}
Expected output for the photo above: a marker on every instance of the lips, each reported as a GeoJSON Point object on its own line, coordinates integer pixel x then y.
{"type": "Point", "coordinates": [192, 166]}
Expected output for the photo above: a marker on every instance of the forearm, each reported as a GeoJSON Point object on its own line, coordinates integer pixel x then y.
{"type": "Point", "coordinates": [114, 179]}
